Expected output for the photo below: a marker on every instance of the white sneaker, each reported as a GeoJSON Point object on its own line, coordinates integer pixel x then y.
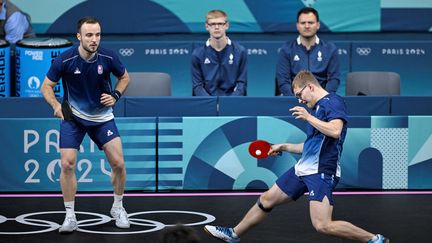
{"type": "Point", "coordinates": [69, 224]}
{"type": "Point", "coordinates": [223, 233]}
{"type": "Point", "coordinates": [121, 217]}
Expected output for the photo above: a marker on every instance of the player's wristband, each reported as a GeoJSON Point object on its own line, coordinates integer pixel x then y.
{"type": "Point", "coordinates": [116, 94]}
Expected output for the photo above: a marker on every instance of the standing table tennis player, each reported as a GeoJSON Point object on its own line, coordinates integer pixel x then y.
{"type": "Point", "coordinates": [87, 109]}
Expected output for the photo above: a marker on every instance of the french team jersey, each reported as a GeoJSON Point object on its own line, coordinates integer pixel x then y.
{"type": "Point", "coordinates": [219, 73]}
{"type": "Point", "coordinates": [321, 60]}
{"type": "Point", "coordinates": [321, 154]}
{"type": "Point", "coordinates": [85, 81]}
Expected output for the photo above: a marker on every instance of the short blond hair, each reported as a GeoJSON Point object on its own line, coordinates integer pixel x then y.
{"type": "Point", "coordinates": [303, 78]}
{"type": "Point", "coordinates": [216, 13]}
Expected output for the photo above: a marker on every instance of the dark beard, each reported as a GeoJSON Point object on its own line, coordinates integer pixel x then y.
{"type": "Point", "coordinates": [89, 51]}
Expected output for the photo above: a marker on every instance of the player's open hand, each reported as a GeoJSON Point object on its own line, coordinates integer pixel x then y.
{"type": "Point", "coordinates": [300, 112]}
{"type": "Point", "coordinates": [107, 100]}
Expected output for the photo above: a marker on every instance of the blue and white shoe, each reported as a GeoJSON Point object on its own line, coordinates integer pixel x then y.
{"type": "Point", "coordinates": [222, 233]}
{"type": "Point", "coordinates": [379, 239]}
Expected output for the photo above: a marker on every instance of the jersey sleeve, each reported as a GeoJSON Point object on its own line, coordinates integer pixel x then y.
{"type": "Point", "coordinates": [118, 69]}
{"type": "Point", "coordinates": [337, 109]}
{"type": "Point", "coordinates": [54, 72]}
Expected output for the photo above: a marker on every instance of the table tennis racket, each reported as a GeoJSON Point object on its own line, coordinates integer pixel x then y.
{"type": "Point", "coordinates": [259, 149]}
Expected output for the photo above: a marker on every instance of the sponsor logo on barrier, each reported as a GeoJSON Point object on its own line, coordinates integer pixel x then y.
{"type": "Point", "coordinates": [166, 51]}
{"type": "Point", "coordinates": [257, 51]}
{"type": "Point", "coordinates": [141, 225]}
{"type": "Point", "coordinates": [36, 55]}
{"type": "Point", "coordinates": [404, 51]}
{"type": "Point", "coordinates": [126, 52]}
{"type": "Point", "coordinates": [363, 51]}
{"type": "Point", "coordinates": [33, 83]}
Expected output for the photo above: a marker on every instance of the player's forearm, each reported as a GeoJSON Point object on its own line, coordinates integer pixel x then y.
{"type": "Point", "coordinates": [293, 148]}
{"type": "Point", "coordinates": [331, 129]}
{"type": "Point", "coordinates": [48, 93]}
{"type": "Point", "coordinates": [122, 83]}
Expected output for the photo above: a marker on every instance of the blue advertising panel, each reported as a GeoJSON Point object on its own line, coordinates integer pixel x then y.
{"type": "Point", "coordinates": [261, 66]}
{"type": "Point", "coordinates": [412, 60]}
{"type": "Point", "coordinates": [344, 52]}
{"type": "Point", "coordinates": [33, 58]}
{"type": "Point", "coordinates": [172, 57]}
{"type": "Point", "coordinates": [5, 78]}
{"type": "Point", "coordinates": [419, 152]}
{"type": "Point", "coordinates": [211, 153]}
{"type": "Point", "coordinates": [30, 158]}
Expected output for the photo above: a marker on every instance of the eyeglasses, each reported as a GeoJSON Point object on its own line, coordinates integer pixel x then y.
{"type": "Point", "coordinates": [213, 25]}
{"type": "Point", "coordinates": [299, 94]}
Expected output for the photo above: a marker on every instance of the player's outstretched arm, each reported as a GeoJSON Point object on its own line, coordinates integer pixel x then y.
{"type": "Point", "coordinates": [286, 147]}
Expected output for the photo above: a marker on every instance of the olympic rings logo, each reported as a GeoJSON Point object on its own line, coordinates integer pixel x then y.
{"type": "Point", "coordinates": [99, 220]}
{"type": "Point", "coordinates": [126, 51]}
{"type": "Point", "coordinates": [363, 51]}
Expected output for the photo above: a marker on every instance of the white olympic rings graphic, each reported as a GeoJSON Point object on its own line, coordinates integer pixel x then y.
{"type": "Point", "coordinates": [101, 219]}
{"type": "Point", "coordinates": [126, 51]}
{"type": "Point", "coordinates": [363, 51]}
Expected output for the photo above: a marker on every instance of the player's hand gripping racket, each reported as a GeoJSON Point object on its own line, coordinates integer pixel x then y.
{"type": "Point", "coordinates": [259, 149]}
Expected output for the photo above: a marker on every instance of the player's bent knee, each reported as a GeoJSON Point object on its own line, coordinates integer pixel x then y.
{"type": "Point", "coordinates": [261, 206]}
{"type": "Point", "coordinates": [322, 228]}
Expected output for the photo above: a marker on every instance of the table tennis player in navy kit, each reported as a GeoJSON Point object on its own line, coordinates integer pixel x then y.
{"type": "Point", "coordinates": [316, 172]}
{"type": "Point", "coordinates": [87, 108]}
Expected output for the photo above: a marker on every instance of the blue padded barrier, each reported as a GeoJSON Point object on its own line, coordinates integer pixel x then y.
{"type": "Point", "coordinates": [25, 107]}
{"type": "Point", "coordinates": [170, 106]}
{"type": "Point", "coordinates": [368, 106]}
{"type": "Point", "coordinates": [36, 107]}
{"type": "Point", "coordinates": [418, 105]}
{"type": "Point", "coordinates": [256, 106]}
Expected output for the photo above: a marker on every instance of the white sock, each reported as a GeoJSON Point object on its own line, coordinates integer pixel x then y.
{"type": "Point", "coordinates": [118, 201]}
{"type": "Point", "coordinates": [70, 208]}
{"type": "Point", "coordinates": [375, 238]}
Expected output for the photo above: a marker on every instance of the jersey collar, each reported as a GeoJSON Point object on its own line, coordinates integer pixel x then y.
{"type": "Point", "coordinates": [317, 40]}
{"type": "Point", "coordinates": [228, 42]}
